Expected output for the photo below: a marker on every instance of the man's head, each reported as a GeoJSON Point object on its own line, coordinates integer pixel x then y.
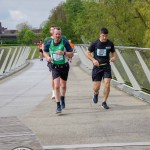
{"type": "Point", "coordinates": [57, 34]}
{"type": "Point", "coordinates": [51, 30]}
{"type": "Point", "coordinates": [103, 34]}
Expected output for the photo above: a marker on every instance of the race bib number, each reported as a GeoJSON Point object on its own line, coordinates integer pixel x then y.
{"type": "Point", "coordinates": [57, 57]}
{"type": "Point", "coordinates": [101, 52]}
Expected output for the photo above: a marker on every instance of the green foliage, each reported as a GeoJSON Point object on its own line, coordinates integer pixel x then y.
{"type": "Point", "coordinates": [29, 37]}
{"type": "Point", "coordinates": [9, 41]}
{"type": "Point", "coordinates": [143, 11]}
{"type": "Point", "coordinates": [128, 21]}
{"type": "Point", "coordinates": [26, 36]}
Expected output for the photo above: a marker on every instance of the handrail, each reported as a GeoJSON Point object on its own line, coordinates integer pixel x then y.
{"type": "Point", "coordinates": [12, 59]}
{"type": "Point", "coordinates": [131, 67]}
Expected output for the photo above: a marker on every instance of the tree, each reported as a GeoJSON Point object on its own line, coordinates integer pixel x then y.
{"type": "Point", "coordinates": [128, 21]}
{"type": "Point", "coordinates": [23, 25]}
{"type": "Point", "coordinates": [26, 36]}
{"type": "Point", "coordinates": [29, 37]}
{"type": "Point", "coordinates": [142, 9]}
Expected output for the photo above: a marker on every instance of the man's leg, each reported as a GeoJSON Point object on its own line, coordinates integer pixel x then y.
{"type": "Point", "coordinates": [96, 87]}
{"type": "Point", "coordinates": [106, 88]}
{"type": "Point", "coordinates": [63, 92]}
{"type": "Point", "coordinates": [52, 84]}
{"type": "Point", "coordinates": [41, 56]}
{"type": "Point", "coordinates": [57, 94]}
{"type": "Point", "coordinates": [63, 84]}
{"type": "Point", "coordinates": [106, 92]}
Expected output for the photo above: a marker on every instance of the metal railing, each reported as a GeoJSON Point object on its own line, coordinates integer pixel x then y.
{"type": "Point", "coordinates": [132, 68]}
{"type": "Point", "coordinates": [13, 58]}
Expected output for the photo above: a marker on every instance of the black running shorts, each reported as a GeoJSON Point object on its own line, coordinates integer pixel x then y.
{"type": "Point", "coordinates": [40, 50]}
{"type": "Point", "coordinates": [98, 73]}
{"type": "Point", "coordinates": [60, 71]}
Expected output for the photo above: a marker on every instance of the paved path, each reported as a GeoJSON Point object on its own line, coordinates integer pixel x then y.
{"type": "Point", "coordinates": [82, 125]}
{"type": "Point", "coordinates": [85, 125]}
{"type": "Point", "coordinates": [22, 91]}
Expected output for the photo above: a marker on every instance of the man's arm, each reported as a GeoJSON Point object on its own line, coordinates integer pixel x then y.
{"type": "Point", "coordinates": [113, 56]}
{"type": "Point", "coordinates": [90, 56]}
{"type": "Point", "coordinates": [46, 52]}
{"type": "Point", "coordinates": [69, 54]}
{"type": "Point", "coordinates": [46, 55]}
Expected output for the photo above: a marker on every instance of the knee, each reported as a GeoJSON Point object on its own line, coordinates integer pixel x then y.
{"type": "Point", "coordinates": [57, 87]}
{"type": "Point", "coordinates": [107, 84]}
{"type": "Point", "coordinates": [63, 86]}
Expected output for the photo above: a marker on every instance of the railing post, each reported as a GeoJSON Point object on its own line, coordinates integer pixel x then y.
{"type": "Point", "coordinates": [128, 71]}
{"type": "Point", "coordinates": [16, 59]}
{"type": "Point", "coordinates": [33, 53]}
{"type": "Point", "coordinates": [117, 74]}
{"type": "Point", "coordinates": [20, 58]}
{"type": "Point", "coordinates": [11, 61]}
{"type": "Point", "coordinates": [144, 66]}
{"type": "Point", "coordinates": [5, 63]}
{"type": "Point", "coordinates": [2, 51]}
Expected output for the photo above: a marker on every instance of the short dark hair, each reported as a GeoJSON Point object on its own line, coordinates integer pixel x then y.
{"type": "Point", "coordinates": [52, 26]}
{"type": "Point", "coordinates": [104, 30]}
{"type": "Point", "coordinates": [58, 28]}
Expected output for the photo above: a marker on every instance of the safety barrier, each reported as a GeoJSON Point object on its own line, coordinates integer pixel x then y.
{"type": "Point", "coordinates": [130, 71]}
{"type": "Point", "coordinates": [13, 58]}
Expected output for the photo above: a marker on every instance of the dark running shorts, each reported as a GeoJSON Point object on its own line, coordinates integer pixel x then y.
{"type": "Point", "coordinates": [98, 73]}
{"type": "Point", "coordinates": [40, 50]}
{"type": "Point", "coordinates": [60, 71]}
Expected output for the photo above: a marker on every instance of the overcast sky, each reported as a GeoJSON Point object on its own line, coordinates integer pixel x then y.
{"type": "Point", "coordinates": [13, 12]}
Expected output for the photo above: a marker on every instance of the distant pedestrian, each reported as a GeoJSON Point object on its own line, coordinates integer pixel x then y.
{"type": "Point", "coordinates": [57, 52]}
{"type": "Point", "coordinates": [72, 46]}
{"type": "Point", "coordinates": [40, 47]}
{"type": "Point", "coordinates": [101, 59]}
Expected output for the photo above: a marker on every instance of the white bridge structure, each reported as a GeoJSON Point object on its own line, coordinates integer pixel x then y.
{"type": "Point", "coordinates": [14, 58]}
{"type": "Point", "coordinates": [131, 71]}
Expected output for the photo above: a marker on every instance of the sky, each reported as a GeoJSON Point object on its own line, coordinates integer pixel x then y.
{"type": "Point", "coordinates": [34, 12]}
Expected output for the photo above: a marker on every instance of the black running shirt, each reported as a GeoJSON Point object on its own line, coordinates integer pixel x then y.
{"type": "Point", "coordinates": [101, 50]}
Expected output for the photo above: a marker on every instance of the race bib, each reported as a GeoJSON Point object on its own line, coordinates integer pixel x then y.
{"type": "Point", "coordinates": [101, 52]}
{"type": "Point", "coordinates": [57, 57]}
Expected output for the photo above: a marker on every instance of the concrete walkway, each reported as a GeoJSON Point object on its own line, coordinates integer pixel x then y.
{"type": "Point", "coordinates": [82, 125]}
{"type": "Point", "coordinates": [23, 91]}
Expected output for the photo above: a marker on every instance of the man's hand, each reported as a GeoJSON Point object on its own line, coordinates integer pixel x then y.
{"type": "Point", "coordinates": [49, 59]}
{"type": "Point", "coordinates": [95, 63]}
{"type": "Point", "coordinates": [112, 59]}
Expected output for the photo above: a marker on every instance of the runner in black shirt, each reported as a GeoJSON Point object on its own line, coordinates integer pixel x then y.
{"type": "Point", "coordinates": [101, 50]}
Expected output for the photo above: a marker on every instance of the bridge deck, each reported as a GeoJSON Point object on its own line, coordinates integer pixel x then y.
{"type": "Point", "coordinates": [82, 124]}
{"type": "Point", "coordinates": [13, 134]}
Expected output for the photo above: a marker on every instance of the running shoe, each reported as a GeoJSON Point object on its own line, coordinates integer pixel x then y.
{"type": "Point", "coordinates": [104, 105]}
{"type": "Point", "coordinates": [95, 98]}
{"type": "Point", "coordinates": [62, 101]}
{"type": "Point", "coordinates": [58, 110]}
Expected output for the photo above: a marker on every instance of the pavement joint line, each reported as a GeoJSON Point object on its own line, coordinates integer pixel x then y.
{"type": "Point", "coordinates": [54, 147]}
